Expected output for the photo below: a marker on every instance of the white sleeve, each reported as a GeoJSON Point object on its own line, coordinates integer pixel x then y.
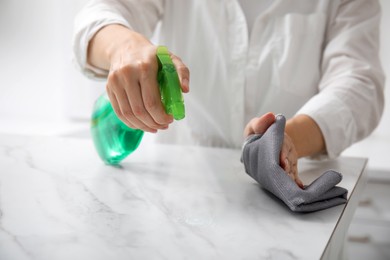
{"type": "Point", "coordinates": [139, 15]}
{"type": "Point", "coordinates": [350, 101]}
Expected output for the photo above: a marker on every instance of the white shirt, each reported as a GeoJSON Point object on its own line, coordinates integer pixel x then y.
{"type": "Point", "coordinates": [318, 58]}
{"type": "Point", "coordinates": [252, 9]}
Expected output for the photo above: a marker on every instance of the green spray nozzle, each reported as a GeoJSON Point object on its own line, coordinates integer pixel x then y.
{"type": "Point", "coordinates": [170, 90]}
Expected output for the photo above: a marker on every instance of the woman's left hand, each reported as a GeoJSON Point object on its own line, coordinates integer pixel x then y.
{"type": "Point", "coordinates": [288, 155]}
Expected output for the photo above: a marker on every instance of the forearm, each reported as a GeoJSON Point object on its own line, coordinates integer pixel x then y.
{"type": "Point", "coordinates": [107, 42]}
{"type": "Point", "coordinates": [306, 135]}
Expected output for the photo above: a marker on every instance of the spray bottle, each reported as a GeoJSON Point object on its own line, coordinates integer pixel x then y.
{"type": "Point", "coordinates": [113, 139]}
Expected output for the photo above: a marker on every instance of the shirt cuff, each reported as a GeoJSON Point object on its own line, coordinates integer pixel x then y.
{"type": "Point", "coordinates": [335, 121]}
{"type": "Point", "coordinates": [81, 42]}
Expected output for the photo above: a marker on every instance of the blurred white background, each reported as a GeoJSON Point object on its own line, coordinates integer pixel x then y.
{"type": "Point", "coordinates": [41, 92]}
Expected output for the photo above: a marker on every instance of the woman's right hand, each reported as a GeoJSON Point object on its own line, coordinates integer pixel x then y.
{"type": "Point", "coordinates": [132, 80]}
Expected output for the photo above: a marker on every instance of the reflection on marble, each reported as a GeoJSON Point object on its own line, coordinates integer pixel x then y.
{"type": "Point", "coordinates": [59, 201]}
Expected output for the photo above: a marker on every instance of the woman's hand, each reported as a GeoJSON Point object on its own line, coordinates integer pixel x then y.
{"type": "Point", "coordinates": [288, 155]}
{"type": "Point", "coordinates": [289, 160]}
{"type": "Point", "coordinates": [132, 80]}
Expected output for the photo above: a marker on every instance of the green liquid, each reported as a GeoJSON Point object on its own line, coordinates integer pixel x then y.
{"type": "Point", "coordinates": [113, 140]}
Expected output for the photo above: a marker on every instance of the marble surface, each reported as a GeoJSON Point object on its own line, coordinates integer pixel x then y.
{"type": "Point", "coordinates": [59, 201]}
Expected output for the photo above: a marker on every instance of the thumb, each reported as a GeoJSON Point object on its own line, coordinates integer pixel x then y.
{"type": "Point", "coordinates": [259, 125]}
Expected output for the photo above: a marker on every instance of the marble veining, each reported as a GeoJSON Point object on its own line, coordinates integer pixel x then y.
{"type": "Point", "coordinates": [59, 201]}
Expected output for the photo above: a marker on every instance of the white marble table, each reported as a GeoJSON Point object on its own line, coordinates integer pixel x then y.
{"type": "Point", "coordinates": [59, 201]}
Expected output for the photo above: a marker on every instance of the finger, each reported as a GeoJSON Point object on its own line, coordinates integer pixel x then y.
{"type": "Point", "coordinates": [151, 96]}
{"type": "Point", "coordinates": [137, 111]}
{"type": "Point", "coordinates": [127, 112]}
{"type": "Point", "coordinates": [134, 98]}
{"type": "Point", "coordinates": [183, 72]}
{"type": "Point", "coordinates": [292, 172]}
{"type": "Point", "coordinates": [259, 125]}
{"type": "Point", "coordinates": [295, 175]}
{"type": "Point", "coordinates": [117, 110]}
{"type": "Point", "coordinates": [113, 85]}
{"type": "Point", "coordinates": [289, 160]}
{"type": "Point", "coordinates": [285, 164]}
{"type": "Point", "coordinates": [285, 151]}
{"type": "Point", "coordinates": [293, 159]}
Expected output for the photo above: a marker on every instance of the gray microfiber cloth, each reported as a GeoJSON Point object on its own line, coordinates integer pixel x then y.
{"type": "Point", "coordinates": [260, 156]}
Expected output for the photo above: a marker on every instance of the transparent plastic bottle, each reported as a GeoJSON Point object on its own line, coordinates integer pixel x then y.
{"type": "Point", "coordinates": [113, 139]}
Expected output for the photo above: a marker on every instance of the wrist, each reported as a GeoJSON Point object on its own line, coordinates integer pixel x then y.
{"type": "Point", "coordinates": [305, 135]}
{"type": "Point", "coordinates": [126, 41]}
{"type": "Point", "coordinates": [102, 49]}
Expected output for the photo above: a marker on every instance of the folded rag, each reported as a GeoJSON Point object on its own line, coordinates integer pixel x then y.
{"type": "Point", "coordinates": [261, 159]}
